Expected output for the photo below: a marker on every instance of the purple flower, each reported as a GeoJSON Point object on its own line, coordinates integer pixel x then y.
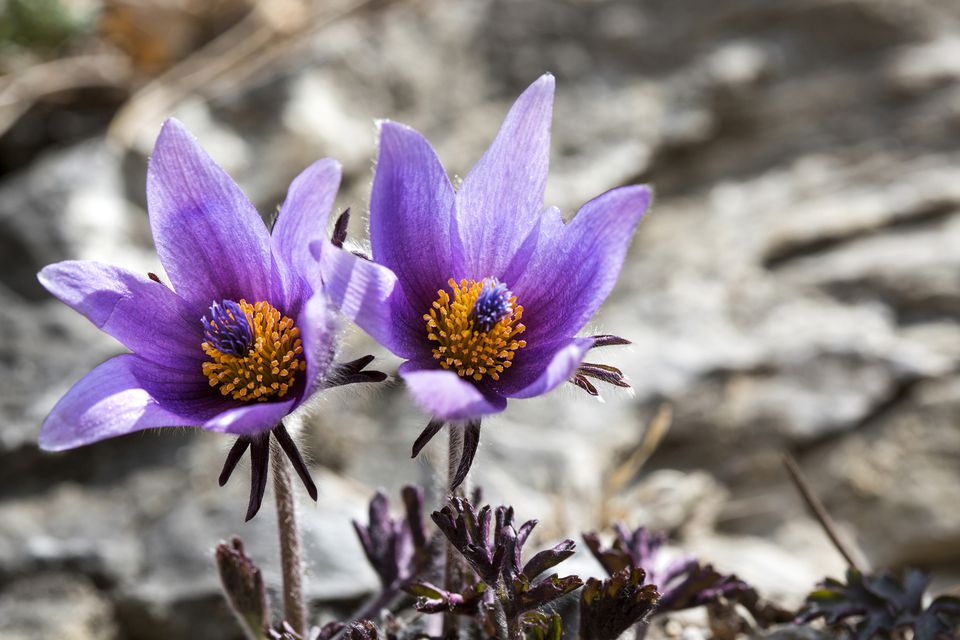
{"type": "Point", "coordinates": [481, 290]}
{"type": "Point", "coordinates": [243, 338]}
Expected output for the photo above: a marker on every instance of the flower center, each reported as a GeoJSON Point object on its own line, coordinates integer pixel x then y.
{"type": "Point", "coordinates": [476, 329]}
{"type": "Point", "coordinates": [255, 352]}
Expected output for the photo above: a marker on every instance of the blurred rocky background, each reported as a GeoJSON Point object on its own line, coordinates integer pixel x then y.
{"type": "Point", "coordinates": [796, 286]}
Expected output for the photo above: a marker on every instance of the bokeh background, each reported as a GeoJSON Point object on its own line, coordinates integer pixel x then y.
{"type": "Point", "coordinates": [796, 286]}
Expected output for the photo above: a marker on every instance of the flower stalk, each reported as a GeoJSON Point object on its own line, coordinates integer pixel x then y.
{"type": "Point", "coordinates": [294, 606]}
{"type": "Point", "coordinates": [453, 568]}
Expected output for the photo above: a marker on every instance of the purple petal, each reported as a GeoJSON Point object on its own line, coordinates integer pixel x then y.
{"type": "Point", "coordinates": [502, 195]}
{"type": "Point", "coordinates": [302, 219]}
{"type": "Point", "coordinates": [446, 396]}
{"type": "Point", "coordinates": [538, 373]}
{"type": "Point", "coordinates": [412, 215]}
{"type": "Point", "coordinates": [369, 294]}
{"type": "Point", "coordinates": [210, 239]}
{"type": "Point", "coordinates": [109, 401]}
{"type": "Point", "coordinates": [575, 265]}
{"type": "Point", "coordinates": [251, 419]}
{"type": "Point", "coordinates": [318, 332]}
{"type": "Point", "coordinates": [143, 315]}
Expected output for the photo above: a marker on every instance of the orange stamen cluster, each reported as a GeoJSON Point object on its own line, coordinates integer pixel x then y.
{"type": "Point", "coordinates": [462, 345]}
{"type": "Point", "coordinates": [269, 368]}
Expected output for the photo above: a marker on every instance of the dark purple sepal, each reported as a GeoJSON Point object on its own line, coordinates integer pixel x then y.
{"type": "Point", "coordinates": [259, 446]}
{"type": "Point", "coordinates": [243, 586]}
{"type": "Point", "coordinates": [259, 468]}
{"type": "Point", "coordinates": [603, 373]}
{"type": "Point", "coordinates": [233, 457]}
{"type": "Point", "coordinates": [471, 440]}
{"type": "Point", "coordinates": [354, 372]}
{"type": "Point", "coordinates": [582, 382]}
{"type": "Point", "coordinates": [609, 607]}
{"type": "Point", "coordinates": [340, 229]}
{"type": "Point", "coordinates": [607, 340]}
{"type": "Point", "coordinates": [432, 429]}
{"type": "Point", "coordinates": [289, 448]}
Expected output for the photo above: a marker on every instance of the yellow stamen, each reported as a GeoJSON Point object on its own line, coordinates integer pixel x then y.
{"type": "Point", "coordinates": [269, 368]}
{"type": "Point", "coordinates": [461, 344]}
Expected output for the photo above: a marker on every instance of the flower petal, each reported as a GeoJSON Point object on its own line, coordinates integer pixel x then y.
{"type": "Point", "coordinates": [209, 237]}
{"type": "Point", "coordinates": [109, 401]}
{"type": "Point", "coordinates": [302, 219]}
{"type": "Point", "coordinates": [539, 373]}
{"type": "Point", "coordinates": [446, 396]}
{"type": "Point", "coordinates": [412, 215]}
{"type": "Point", "coordinates": [502, 195]}
{"type": "Point", "coordinates": [575, 265]}
{"type": "Point", "coordinates": [318, 332]}
{"type": "Point", "coordinates": [369, 294]}
{"type": "Point", "coordinates": [143, 315]}
{"type": "Point", "coordinates": [251, 419]}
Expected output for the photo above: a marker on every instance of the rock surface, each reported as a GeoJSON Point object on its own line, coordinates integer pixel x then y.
{"type": "Point", "coordinates": [795, 288]}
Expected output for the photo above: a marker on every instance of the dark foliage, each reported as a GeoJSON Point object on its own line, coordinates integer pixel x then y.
{"type": "Point", "coordinates": [610, 607]}
{"type": "Point", "coordinates": [493, 546]}
{"type": "Point", "coordinates": [397, 548]}
{"type": "Point", "coordinates": [875, 606]}
{"type": "Point", "coordinates": [683, 582]}
{"type": "Point", "coordinates": [542, 626]}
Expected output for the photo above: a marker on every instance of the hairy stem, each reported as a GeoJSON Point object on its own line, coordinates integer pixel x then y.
{"type": "Point", "coordinates": [506, 627]}
{"type": "Point", "coordinates": [514, 628]}
{"type": "Point", "coordinates": [453, 568]}
{"type": "Point", "coordinates": [294, 607]}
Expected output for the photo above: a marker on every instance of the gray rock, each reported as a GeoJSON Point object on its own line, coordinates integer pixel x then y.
{"type": "Point", "coordinates": [55, 606]}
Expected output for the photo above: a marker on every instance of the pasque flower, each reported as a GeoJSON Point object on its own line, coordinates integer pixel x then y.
{"type": "Point", "coordinates": [243, 337]}
{"type": "Point", "coordinates": [479, 288]}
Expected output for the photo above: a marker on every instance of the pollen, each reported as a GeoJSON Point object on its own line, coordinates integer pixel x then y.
{"type": "Point", "coordinates": [267, 367]}
{"type": "Point", "coordinates": [475, 329]}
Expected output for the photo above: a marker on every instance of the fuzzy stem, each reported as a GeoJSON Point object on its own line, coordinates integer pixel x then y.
{"type": "Point", "coordinates": [514, 628]}
{"type": "Point", "coordinates": [452, 568]}
{"type": "Point", "coordinates": [294, 608]}
{"type": "Point", "coordinates": [507, 627]}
